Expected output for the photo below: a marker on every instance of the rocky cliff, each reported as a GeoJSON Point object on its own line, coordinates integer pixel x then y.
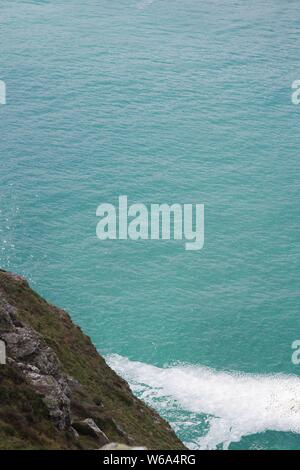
{"type": "Point", "coordinates": [56, 391]}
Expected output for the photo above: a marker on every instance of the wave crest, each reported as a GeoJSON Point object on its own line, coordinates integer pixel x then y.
{"type": "Point", "coordinates": [233, 404]}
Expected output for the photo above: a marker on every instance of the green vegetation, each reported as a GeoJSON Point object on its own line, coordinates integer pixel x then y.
{"type": "Point", "coordinates": [102, 395]}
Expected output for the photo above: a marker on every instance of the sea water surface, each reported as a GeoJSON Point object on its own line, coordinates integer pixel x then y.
{"type": "Point", "coordinates": [164, 101]}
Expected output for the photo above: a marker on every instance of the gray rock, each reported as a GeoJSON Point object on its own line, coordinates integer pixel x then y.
{"type": "Point", "coordinates": [21, 342]}
{"type": "Point", "coordinates": [117, 446]}
{"type": "Point", "coordinates": [122, 432]}
{"type": "Point", "coordinates": [73, 432]}
{"type": "Point", "coordinates": [8, 316]}
{"type": "Point", "coordinates": [88, 427]}
{"type": "Point", "coordinates": [5, 321]}
{"type": "Point", "coordinates": [55, 396]}
{"type": "Point", "coordinates": [40, 365]}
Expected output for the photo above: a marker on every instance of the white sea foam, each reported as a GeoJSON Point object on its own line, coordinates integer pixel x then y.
{"type": "Point", "coordinates": [236, 404]}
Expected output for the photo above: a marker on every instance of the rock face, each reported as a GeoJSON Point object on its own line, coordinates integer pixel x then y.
{"type": "Point", "coordinates": [56, 391]}
{"type": "Point", "coordinates": [88, 427]}
{"type": "Point", "coordinates": [27, 351]}
{"type": "Point", "coordinates": [115, 446]}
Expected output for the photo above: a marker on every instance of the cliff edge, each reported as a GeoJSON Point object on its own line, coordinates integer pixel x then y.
{"type": "Point", "coordinates": [56, 391]}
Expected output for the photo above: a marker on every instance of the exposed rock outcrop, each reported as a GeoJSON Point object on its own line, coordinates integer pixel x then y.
{"type": "Point", "coordinates": [88, 427]}
{"type": "Point", "coordinates": [55, 389]}
{"type": "Point", "coordinates": [27, 351]}
{"type": "Point", "coordinates": [115, 446]}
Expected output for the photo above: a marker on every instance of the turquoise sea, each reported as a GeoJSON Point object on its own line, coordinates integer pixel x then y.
{"type": "Point", "coordinates": [164, 101]}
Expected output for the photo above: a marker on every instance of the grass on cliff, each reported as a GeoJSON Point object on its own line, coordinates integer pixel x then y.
{"type": "Point", "coordinates": [24, 420]}
{"type": "Point", "coordinates": [104, 396]}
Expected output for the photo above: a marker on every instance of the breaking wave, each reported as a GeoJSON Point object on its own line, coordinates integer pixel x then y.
{"type": "Point", "coordinates": [227, 405]}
